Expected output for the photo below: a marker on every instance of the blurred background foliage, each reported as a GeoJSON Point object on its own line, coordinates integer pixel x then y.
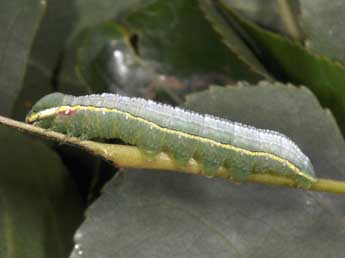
{"type": "Point", "coordinates": [258, 52]}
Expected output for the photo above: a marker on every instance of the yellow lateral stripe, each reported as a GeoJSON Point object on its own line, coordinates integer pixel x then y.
{"type": "Point", "coordinates": [55, 110]}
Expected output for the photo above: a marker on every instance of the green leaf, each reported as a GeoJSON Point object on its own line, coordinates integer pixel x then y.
{"type": "Point", "coordinates": [39, 205]}
{"type": "Point", "coordinates": [298, 65]}
{"type": "Point", "coordinates": [107, 62]}
{"type": "Point", "coordinates": [50, 66]}
{"type": "Point", "coordinates": [279, 16]}
{"type": "Point", "coordinates": [93, 12]}
{"type": "Point", "coordinates": [170, 59]}
{"type": "Point", "coordinates": [18, 24]}
{"type": "Point", "coordinates": [231, 38]}
{"type": "Point", "coordinates": [163, 214]}
{"type": "Point", "coordinates": [157, 66]}
{"type": "Point", "coordinates": [178, 37]}
{"type": "Point", "coordinates": [95, 54]}
{"type": "Point", "coordinates": [90, 14]}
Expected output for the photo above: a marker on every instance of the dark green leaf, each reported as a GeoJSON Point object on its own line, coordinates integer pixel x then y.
{"type": "Point", "coordinates": [46, 53]}
{"type": "Point", "coordinates": [177, 36]}
{"type": "Point", "coordinates": [162, 214]}
{"type": "Point", "coordinates": [90, 14]}
{"type": "Point", "coordinates": [19, 21]}
{"type": "Point", "coordinates": [93, 12]}
{"type": "Point", "coordinates": [107, 62]}
{"type": "Point", "coordinates": [231, 38]}
{"type": "Point", "coordinates": [164, 60]}
{"type": "Point", "coordinates": [39, 205]}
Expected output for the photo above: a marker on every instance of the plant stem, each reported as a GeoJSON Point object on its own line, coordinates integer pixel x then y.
{"type": "Point", "coordinates": [124, 156]}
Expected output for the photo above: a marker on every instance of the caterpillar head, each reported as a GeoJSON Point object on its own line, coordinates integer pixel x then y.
{"type": "Point", "coordinates": [45, 109]}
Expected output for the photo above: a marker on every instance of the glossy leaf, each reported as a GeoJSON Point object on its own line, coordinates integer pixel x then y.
{"type": "Point", "coordinates": [107, 61]}
{"type": "Point", "coordinates": [179, 38]}
{"type": "Point", "coordinates": [161, 68]}
{"type": "Point", "coordinates": [90, 14]}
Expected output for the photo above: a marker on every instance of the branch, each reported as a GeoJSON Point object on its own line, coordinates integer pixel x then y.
{"type": "Point", "coordinates": [124, 156]}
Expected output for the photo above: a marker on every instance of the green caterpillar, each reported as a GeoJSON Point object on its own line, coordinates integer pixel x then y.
{"type": "Point", "coordinates": [154, 127]}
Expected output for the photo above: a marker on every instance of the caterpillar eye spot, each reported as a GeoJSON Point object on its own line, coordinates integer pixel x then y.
{"type": "Point", "coordinates": [67, 112]}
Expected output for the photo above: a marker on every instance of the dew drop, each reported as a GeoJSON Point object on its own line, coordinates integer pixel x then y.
{"type": "Point", "coordinates": [241, 153]}
{"type": "Point", "coordinates": [80, 252]}
{"type": "Point", "coordinates": [179, 136]}
{"type": "Point", "coordinates": [266, 158]}
{"type": "Point", "coordinates": [308, 202]}
{"type": "Point", "coordinates": [126, 117]}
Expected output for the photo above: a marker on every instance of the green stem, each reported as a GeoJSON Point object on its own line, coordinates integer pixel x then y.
{"type": "Point", "coordinates": [131, 157]}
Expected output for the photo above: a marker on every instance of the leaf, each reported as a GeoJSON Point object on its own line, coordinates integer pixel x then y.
{"type": "Point", "coordinates": [296, 64]}
{"type": "Point", "coordinates": [177, 37]}
{"type": "Point", "coordinates": [93, 12]}
{"type": "Point", "coordinates": [107, 62]}
{"type": "Point", "coordinates": [37, 83]}
{"type": "Point", "coordinates": [50, 65]}
{"type": "Point", "coordinates": [156, 67]}
{"type": "Point", "coordinates": [39, 205]}
{"type": "Point", "coordinates": [324, 27]}
{"type": "Point", "coordinates": [231, 38]}
{"type": "Point", "coordinates": [18, 24]}
{"type": "Point", "coordinates": [46, 54]}
{"type": "Point", "coordinates": [50, 54]}
{"type": "Point", "coordinates": [90, 14]}
{"type": "Point", "coordinates": [96, 52]}
{"type": "Point", "coordinates": [159, 214]}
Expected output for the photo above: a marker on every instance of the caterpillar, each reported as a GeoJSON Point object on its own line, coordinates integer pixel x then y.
{"type": "Point", "coordinates": [155, 127]}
